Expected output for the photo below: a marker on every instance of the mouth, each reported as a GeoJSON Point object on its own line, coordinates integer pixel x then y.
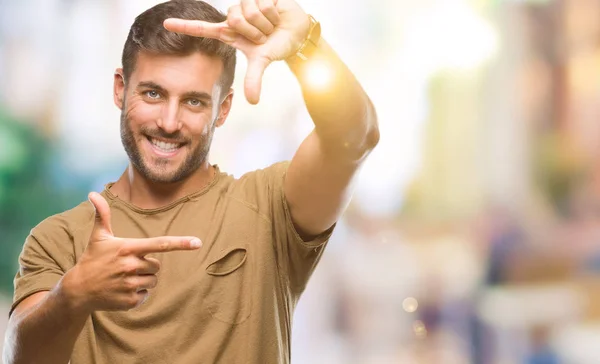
{"type": "Point", "coordinates": [164, 148]}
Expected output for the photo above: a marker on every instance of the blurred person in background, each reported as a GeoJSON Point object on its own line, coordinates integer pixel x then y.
{"type": "Point", "coordinates": [82, 290]}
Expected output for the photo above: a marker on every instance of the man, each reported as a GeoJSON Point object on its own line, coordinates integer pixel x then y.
{"type": "Point", "coordinates": [176, 261]}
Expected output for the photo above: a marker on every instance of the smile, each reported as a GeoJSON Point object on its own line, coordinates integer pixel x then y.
{"type": "Point", "coordinates": [164, 149]}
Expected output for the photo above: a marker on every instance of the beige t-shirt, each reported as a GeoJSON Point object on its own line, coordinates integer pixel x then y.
{"type": "Point", "coordinates": [231, 301]}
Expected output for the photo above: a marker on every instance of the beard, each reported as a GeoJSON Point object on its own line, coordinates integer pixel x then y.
{"type": "Point", "coordinates": [157, 169]}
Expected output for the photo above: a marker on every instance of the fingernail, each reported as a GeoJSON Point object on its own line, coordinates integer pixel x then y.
{"type": "Point", "coordinates": [195, 243]}
{"type": "Point", "coordinates": [263, 39]}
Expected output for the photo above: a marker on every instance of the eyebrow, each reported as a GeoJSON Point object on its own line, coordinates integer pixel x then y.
{"type": "Point", "coordinates": [188, 95]}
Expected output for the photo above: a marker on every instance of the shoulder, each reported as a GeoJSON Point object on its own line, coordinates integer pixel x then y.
{"type": "Point", "coordinates": [256, 189]}
{"type": "Point", "coordinates": [260, 181]}
{"type": "Point", "coordinates": [263, 179]}
{"type": "Point", "coordinates": [64, 224]}
{"type": "Point", "coordinates": [57, 239]}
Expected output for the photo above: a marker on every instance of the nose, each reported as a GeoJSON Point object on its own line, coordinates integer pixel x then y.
{"type": "Point", "coordinates": [169, 120]}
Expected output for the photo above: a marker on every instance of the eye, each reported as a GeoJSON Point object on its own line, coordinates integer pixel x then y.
{"type": "Point", "coordinates": [194, 102]}
{"type": "Point", "coordinates": [152, 94]}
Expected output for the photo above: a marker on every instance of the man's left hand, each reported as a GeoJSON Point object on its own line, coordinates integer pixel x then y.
{"type": "Point", "coordinates": [264, 30]}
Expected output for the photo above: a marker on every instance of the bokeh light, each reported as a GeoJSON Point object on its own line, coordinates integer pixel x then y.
{"type": "Point", "coordinates": [318, 74]}
{"type": "Point", "coordinates": [410, 304]}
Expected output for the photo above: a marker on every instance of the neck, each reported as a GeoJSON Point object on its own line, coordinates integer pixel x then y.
{"type": "Point", "coordinates": [137, 190]}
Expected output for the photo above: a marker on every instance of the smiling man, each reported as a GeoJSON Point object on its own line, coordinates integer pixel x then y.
{"type": "Point", "coordinates": [177, 261]}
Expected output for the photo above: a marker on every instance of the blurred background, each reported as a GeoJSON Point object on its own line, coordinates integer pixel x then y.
{"type": "Point", "coordinates": [474, 232]}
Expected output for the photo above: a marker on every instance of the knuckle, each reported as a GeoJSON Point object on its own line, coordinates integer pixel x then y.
{"type": "Point", "coordinates": [234, 20]}
{"type": "Point", "coordinates": [164, 245]}
{"type": "Point", "coordinates": [123, 251]}
{"type": "Point", "coordinates": [130, 284]}
{"type": "Point", "coordinates": [252, 14]}
{"type": "Point", "coordinates": [132, 301]}
{"type": "Point", "coordinates": [269, 29]}
{"type": "Point", "coordinates": [128, 268]}
{"type": "Point", "coordinates": [266, 8]}
{"type": "Point", "coordinates": [257, 36]}
{"type": "Point", "coordinates": [199, 26]}
{"type": "Point", "coordinates": [186, 27]}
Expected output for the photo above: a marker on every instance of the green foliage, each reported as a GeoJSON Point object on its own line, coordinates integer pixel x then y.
{"type": "Point", "coordinates": [27, 193]}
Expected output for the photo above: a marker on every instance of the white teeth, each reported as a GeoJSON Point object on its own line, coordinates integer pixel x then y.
{"type": "Point", "coordinates": [166, 147]}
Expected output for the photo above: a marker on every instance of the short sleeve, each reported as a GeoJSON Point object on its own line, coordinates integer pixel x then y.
{"type": "Point", "coordinates": [46, 255]}
{"type": "Point", "coordinates": [298, 258]}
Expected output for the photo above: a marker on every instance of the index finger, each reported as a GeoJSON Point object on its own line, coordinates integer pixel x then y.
{"type": "Point", "coordinates": [161, 244]}
{"type": "Point", "coordinates": [199, 28]}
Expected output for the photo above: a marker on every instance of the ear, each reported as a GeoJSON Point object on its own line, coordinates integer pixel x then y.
{"type": "Point", "coordinates": [224, 109]}
{"type": "Point", "coordinates": [119, 88]}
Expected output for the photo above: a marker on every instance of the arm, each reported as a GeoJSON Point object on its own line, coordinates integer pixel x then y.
{"type": "Point", "coordinates": [319, 178]}
{"type": "Point", "coordinates": [318, 183]}
{"type": "Point", "coordinates": [43, 328]}
{"type": "Point", "coordinates": [112, 274]}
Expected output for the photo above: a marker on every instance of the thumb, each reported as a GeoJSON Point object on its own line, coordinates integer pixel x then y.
{"type": "Point", "coordinates": [102, 222]}
{"type": "Point", "coordinates": [253, 81]}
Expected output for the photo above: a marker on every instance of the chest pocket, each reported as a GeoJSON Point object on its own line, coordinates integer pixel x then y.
{"type": "Point", "coordinates": [230, 291]}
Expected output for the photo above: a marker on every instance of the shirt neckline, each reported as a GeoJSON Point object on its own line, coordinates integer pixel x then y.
{"type": "Point", "coordinates": [207, 187]}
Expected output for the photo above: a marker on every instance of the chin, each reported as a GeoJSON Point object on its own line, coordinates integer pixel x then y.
{"type": "Point", "coordinates": [166, 171]}
{"type": "Point", "coordinates": [161, 175]}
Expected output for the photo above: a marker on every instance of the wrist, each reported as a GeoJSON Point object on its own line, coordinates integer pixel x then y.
{"type": "Point", "coordinates": [309, 44]}
{"type": "Point", "coordinates": [71, 294]}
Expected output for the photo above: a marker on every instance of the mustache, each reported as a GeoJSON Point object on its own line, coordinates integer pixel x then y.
{"type": "Point", "coordinates": [176, 137]}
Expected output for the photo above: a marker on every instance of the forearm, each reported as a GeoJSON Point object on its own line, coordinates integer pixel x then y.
{"type": "Point", "coordinates": [344, 117]}
{"type": "Point", "coordinates": [46, 332]}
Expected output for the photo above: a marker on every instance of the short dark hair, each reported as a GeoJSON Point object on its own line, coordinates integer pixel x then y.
{"type": "Point", "coordinates": [149, 35]}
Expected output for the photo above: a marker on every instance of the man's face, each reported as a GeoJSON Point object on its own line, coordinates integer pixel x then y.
{"type": "Point", "coordinates": [169, 110]}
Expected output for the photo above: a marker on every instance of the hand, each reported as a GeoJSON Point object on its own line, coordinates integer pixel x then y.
{"type": "Point", "coordinates": [264, 30]}
{"type": "Point", "coordinates": [113, 273]}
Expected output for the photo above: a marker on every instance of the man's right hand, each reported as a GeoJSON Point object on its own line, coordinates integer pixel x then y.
{"type": "Point", "coordinates": [113, 273]}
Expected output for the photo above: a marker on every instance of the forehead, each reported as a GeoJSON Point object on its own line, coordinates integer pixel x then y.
{"type": "Point", "coordinates": [178, 74]}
